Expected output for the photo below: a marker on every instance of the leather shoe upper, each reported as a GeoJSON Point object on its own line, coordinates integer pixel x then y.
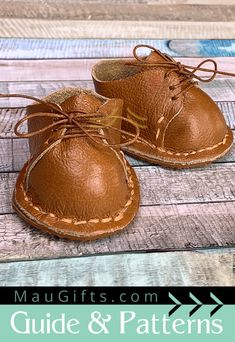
{"type": "Point", "coordinates": [173, 113]}
{"type": "Point", "coordinates": [76, 177]}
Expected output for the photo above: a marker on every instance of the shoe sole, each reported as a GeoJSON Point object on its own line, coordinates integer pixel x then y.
{"type": "Point", "coordinates": [181, 160]}
{"type": "Point", "coordinates": [84, 232]}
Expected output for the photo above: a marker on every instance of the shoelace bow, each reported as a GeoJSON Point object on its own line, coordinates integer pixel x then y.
{"type": "Point", "coordinates": [186, 76]}
{"type": "Point", "coordinates": [86, 124]}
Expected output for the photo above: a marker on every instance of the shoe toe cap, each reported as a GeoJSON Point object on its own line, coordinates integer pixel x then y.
{"type": "Point", "coordinates": [199, 125]}
{"type": "Point", "coordinates": [68, 183]}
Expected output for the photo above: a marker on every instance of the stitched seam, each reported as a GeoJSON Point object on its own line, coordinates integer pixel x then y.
{"type": "Point", "coordinates": [124, 165]}
{"type": "Point", "coordinates": [159, 122]}
{"type": "Point", "coordinates": [168, 123]}
{"type": "Point", "coordinates": [192, 152]}
{"type": "Point", "coordinates": [115, 218]}
{"type": "Point", "coordinates": [39, 157]}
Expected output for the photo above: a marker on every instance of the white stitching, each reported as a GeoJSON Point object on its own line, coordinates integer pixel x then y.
{"type": "Point", "coordinates": [116, 218]}
{"type": "Point", "coordinates": [160, 119]}
{"type": "Point", "coordinates": [223, 142]}
{"type": "Point", "coordinates": [158, 132]}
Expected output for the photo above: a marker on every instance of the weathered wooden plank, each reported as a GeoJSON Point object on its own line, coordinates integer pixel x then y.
{"type": "Point", "coordinates": [38, 88]}
{"type": "Point", "coordinates": [160, 186]}
{"type": "Point", "coordinates": [228, 109]}
{"type": "Point", "coordinates": [127, 11]}
{"type": "Point", "coordinates": [10, 116]}
{"type": "Point", "coordinates": [44, 28]}
{"type": "Point", "coordinates": [20, 153]}
{"type": "Point", "coordinates": [210, 48]}
{"type": "Point", "coordinates": [160, 2]}
{"type": "Point", "coordinates": [20, 48]}
{"type": "Point", "coordinates": [6, 163]}
{"type": "Point", "coordinates": [148, 269]}
{"type": "Point", "coordinates": [194, 225]}
{"type": "Point", "coordinates": [195, 2]}
{"type": "Point", "coordinates": [79, 69]}
{"type": "Point", "coordinates": [6, 185]}
{"type": "Point", "coordinates": [220, 90]}
{"type": "Point", "coordinates": [42, 70]}
{"type": "Point", "coordinates": [14, 153]}
{"type": "Point", "coordinates": [8, 119]}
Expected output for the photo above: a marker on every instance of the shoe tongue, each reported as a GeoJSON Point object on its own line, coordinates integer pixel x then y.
{"type": "Point", "coordinates": [155, 57]}
{"type": "Point", "coordinates": [83, 102]}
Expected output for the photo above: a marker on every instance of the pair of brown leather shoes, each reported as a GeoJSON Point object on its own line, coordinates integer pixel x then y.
{"type": "Point", "coordinates": [77, 183]}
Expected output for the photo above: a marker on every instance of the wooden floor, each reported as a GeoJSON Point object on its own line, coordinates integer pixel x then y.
{"type": "Point", "coordinates": [187, 217]}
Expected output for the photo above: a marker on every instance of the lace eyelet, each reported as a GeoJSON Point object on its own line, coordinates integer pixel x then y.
{"type": "Point", "coordinates": [173, 98]}
{"type": "Point", "coordinates": [172, 87]}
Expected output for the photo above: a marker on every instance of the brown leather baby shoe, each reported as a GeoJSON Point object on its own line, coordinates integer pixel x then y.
{"type": "Point", "coordinates": [77, 184]}
{"type": "Point", "coordinates": [181, 126]}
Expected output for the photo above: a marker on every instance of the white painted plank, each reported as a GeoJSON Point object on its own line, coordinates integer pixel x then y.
{"type": "Point", "coordinates": [195, 2]}
{"type": "Point", "coordinates": [115, 11]}
{"type": "Point", "coordinates": [220, 90]}
{"type": "Point", "coordinates": [39, 28]}
{"type": "Point", "coordinates": [80, 69]}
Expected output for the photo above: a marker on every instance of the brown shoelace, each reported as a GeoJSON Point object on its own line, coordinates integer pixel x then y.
{"type": "Point", "coordinates": [186, 76]}
{"type": "Point", "coordinates": [75, 123]}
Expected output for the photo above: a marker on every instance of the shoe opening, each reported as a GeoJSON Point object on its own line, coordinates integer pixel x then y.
{"type": "Point", "coordinates": [113, 70]}
{"type": "Point", "coordinates": [61, 95]}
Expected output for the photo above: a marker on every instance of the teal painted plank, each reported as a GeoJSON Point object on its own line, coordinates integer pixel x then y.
{"type": "Point", "coordinates": [203, 48]}
{"type": "Point", "coordinates": [204, 268]}
{"type": "Point", "coordinates": [11, 48]}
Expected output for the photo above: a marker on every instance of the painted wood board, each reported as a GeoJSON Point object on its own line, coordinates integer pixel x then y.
{"type": "Point", "coordinates": [24, 48]}
{"type": "Point", "coordinates": [43, 28]}
{"type": "Point", "coordinates": [149, 269]}
{"type": "Point", "coordinates": [155, 228]}
{"type": "Point", "coordinates": [221, 89]}
{"type": "Point", "coordinates": [205, 47]}
{"type": "Point", "coordinates": [80, 69]}
{"type": "Point", "coordinates": [10, 116]}
{"type": "Point", "coordinates": [215, 183]}
{"type": "Point", "coordinates": [116, 11]}
{"type": "Point", "coordinates": [195, 2]}
{"type": "Point", "coordinates": [160, 2]}
{"type": "Point", "coordinates": [15, 152]}
{"type": "Point", "coordinates": [6, 160]}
